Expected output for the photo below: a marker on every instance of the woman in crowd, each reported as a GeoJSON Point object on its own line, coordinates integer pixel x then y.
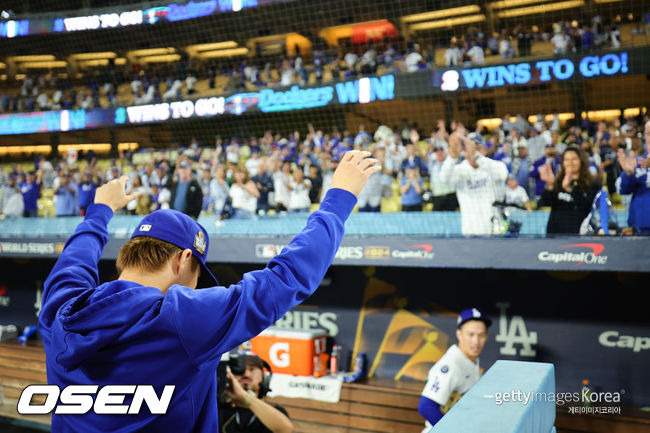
{"type": "Point", "coordinates": [243, 194]}
{"type": "Point", "coordinates": [219, 189]}
{"type": "Point", "coordinates": [299, 187]}
{"type": "Point", "coordinates": [139, 206]}
{"type": "Point", "coordinates": [570, 194]}
{"type": "Point", "coordinates": [280, 180]}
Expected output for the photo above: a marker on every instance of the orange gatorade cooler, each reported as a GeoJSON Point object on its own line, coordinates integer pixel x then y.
{"type": "Point", "coordinates": [290, 351]}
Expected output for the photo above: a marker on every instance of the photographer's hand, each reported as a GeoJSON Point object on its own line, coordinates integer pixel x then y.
{"type": "Point", "coordinates": [235, 392]}
{"type": "Point", "coordinates": [268, 415]}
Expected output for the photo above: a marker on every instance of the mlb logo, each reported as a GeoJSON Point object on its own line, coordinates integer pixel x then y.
{"type": "Point", "coordinates": [145, 227]}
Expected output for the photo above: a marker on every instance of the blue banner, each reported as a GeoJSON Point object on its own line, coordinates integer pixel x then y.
{"type": "Point", "coordinates": [540, 72]}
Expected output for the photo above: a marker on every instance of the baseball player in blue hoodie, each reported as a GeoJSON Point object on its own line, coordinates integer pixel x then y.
{"type": "Point", "coordinates": [150, 327]}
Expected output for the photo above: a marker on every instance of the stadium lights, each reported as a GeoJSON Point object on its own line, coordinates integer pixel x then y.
{"type": "Point", "coordinates": [601, 114]}
{"type": "Point", "coordinates": [96, 147]}
{"type": "Point", "coordinates": [493, 123]}
{"type": "Point", "coordinates": [563, 117]}
{"type": "Point", "coordinates": [45, 64]}
{"type": "Point", "coordinates": [241, 51]}
{"type": "Point", "coordinates": [165, 58]}
{"type": "Point", "coordinates": [193, 49]}
{"type": "Point", "coordinates": [425, 16]}
{"type": "Point", "coordinates": [449, 22]}
{"type": "Point", "coordinates": [128, 146]}
{"type": "Point", "coordinates": [102, 62]}
{"type": "Point", "coordinates": [505, 4]}
{"type": "Point", "coordinates": [34, 58]}
{"type": "Point", "coordinates": [151, 52]}
{"type": "Point", "coordinates": [13, 150]}
{"type": "Point", "coordinates": [633, 112]}
{"type": "Point", "coordinates": [97, 62]}
{"type": "Point", "coordinates": [93, 56]}
{"type": "Point", "coordinates": [541, 9]}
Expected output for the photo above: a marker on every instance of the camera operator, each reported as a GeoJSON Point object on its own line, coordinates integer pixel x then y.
{"type": "Point", "coordinates": [246, 411]}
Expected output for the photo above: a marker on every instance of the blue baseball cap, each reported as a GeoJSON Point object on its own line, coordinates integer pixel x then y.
{"type": "Point", "coordinates": [178, 229]}
{"type": "Point", "coordinates": [472, 314]}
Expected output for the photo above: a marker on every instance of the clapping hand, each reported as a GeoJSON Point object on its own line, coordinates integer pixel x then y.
{"type": "Point", "coordinates": [566, 182]}
{"type": "Point", "coordinates": [454, 145]}
{"type": "Point", "coordinates": [628, 163]}
{"type": "Point", "coordinates": [546, 174]}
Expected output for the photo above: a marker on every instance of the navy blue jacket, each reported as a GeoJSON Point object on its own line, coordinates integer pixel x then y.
{"type": "Point", "coordinates": [534, 173]}
{"type": "Point", "coordinates": [638, 185]}
{"type": "Point", "coordinates": [123, 333]}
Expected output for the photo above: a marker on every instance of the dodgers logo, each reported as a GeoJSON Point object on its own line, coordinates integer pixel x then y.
{"type": "Point", "coordinates": [199, 242]}
{"type": "Point", "coordinates": [515, 333]}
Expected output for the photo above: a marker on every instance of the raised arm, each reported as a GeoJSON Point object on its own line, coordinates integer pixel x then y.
{"type": "Point", "coordinates": [76, 268]}
{"type": "Point", "coordinates": [215, 320]}
{"type": "Point", "coordinates": [450, 170]}
{"type": "Point", "coordinates": [627, 183]}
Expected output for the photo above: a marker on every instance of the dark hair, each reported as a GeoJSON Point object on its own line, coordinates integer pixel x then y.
{"type": "Point", "coordinates": [148, 254]}
{"type": "Point", "coordinates": [585, 178]}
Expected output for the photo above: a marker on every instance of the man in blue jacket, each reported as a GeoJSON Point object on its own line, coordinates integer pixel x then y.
{"type": "Point", "coordinates": [150, 327]}
{"type": "Point", "coordinates": [635, 180]}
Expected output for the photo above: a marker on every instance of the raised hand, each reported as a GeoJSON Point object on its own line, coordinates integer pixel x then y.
{"type": "Point", "coordinates": [113, 194]}
{"type": "Point", "coordinates": [546, 174]}
{"type": "Point", "coordinates": [628, 163]}
{"type": "Point", "coordinates": [354, 170]}
{"type": "Point", "coordinates": [566, 182]}
{"type": "Point", "coordinates": [470, 148]}
{"type": "Point", "coordinates": [454, 145]}
{"type": "Point", "coordinates": [234, 391]}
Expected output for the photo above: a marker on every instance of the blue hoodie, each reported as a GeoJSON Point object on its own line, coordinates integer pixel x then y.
{"type": "Point", "coordinates": [637, 184]}
{"type": "Point", "coordinates": [123, 333]}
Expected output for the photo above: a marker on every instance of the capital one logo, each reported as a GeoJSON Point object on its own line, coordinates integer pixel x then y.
{"type": "Point", "coordinates": [514, 332]}
{"type": "Point", "coordinates": [592, 257]}
{"type": "Point", "coordinates": [419, 251]}
{"type": "Point", "coordinates": [4, 300]}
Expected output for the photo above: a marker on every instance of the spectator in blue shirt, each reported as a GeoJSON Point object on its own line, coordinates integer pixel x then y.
{"type": "Point", "coordinates": [264, 183]}
{"type": "Point", "coordinates": [31, 190]}
{"type": "Point", "coordinates": [608, 163]}
{"type": "Point", "coordinates": [588, 38]}
{"type": "Point", "coordinates": [634, 180]}
{"type": "Point", "coordinates": [503, 154]}
{"type": "Point", "coordinates": [413, 156]}
{"type": "Point", "coordinates": [551, 158]}
{"type": "Point", "coordinates": [521, 167]}
{"type": "Point", "coordinates": [66, 196]}
{"type": "Point", "coordinates": [411, 189]}
{"type": "Point", "coordinates": [89, 184]}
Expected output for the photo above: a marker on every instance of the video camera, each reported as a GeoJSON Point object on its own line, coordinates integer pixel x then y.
{"type": "Point", "coordinates": [237, 364]}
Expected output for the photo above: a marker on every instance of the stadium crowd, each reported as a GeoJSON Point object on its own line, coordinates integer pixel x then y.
{"type": "Point", "coordinates": [241, 178]}
{"type": "Point", "coordinates": [48, 91]}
